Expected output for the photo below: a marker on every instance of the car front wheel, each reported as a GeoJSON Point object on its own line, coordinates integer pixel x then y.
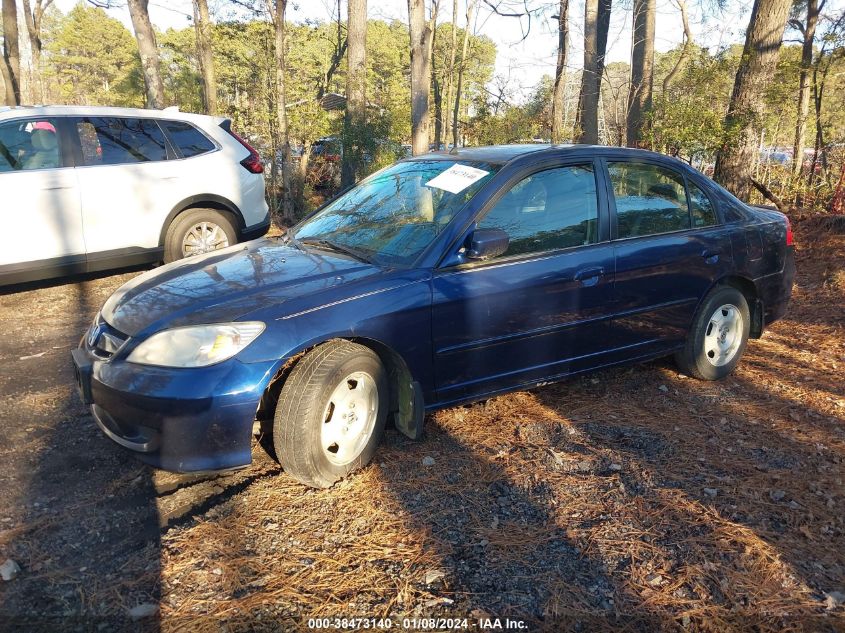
{"type": "Point", "coordinates": [198, 231]}
{"type": "Point", "coordinates": [718, 335]}
{"type": "Point", "coordinates": [331, 413]}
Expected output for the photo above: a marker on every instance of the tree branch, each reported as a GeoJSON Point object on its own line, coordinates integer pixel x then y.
{"type": "Point", "coordinates": [768, 194]}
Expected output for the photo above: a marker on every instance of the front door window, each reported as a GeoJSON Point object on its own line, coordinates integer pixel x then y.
{"type": "Point", "coordinates": [547, 211]}
{"type": "Point", "coordinates": [28, 144]}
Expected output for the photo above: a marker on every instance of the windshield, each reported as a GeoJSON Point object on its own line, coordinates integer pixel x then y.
{"type": "Point", "coordinates": [391, 217]}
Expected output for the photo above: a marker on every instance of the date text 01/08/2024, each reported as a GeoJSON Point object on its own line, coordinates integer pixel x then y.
{"type": "Point", "coordinates": [442, 624]}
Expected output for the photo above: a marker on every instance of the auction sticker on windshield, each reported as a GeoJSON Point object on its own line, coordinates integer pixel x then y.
{"type": "Point", "coordinates": [457, 178]}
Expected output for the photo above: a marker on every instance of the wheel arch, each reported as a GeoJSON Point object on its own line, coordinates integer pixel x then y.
{"type": "Point", "coordinates": [755, 305]}
{"type": "Point", "coordinates": [406, 400]}
{"type": "Point", "coordinates": [203, 201]}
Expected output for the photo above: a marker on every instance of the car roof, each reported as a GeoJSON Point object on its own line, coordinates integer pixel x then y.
{"type": "Point", "coordinates": [497, 154]}
{"type": "Point", "coordinates": [69, 110]}
{"type": "Point", "coordinates": [502, 154]}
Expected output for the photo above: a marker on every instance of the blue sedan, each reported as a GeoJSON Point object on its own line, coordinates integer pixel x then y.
{"type": "Point", "coordinates": [440, 280]}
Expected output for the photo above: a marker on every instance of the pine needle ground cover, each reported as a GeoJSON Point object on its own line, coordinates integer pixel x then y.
{"type": "Point", "coordinates": [632, 499]}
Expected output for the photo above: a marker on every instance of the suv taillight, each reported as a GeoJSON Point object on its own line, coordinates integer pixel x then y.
{"type": "Point", "coordinates": [251, 163]}
{"type": "Point", "coordinates": [788, 232]}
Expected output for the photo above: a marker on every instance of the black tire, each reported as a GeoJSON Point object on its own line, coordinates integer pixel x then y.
{"type": "Point", "coordinates": [185, 221]}
{"type": "Point", "coordinates": [698, 358]}
{"type": "Point", "coordinates": [304, 409]}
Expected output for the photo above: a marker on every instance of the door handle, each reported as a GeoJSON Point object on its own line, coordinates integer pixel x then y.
{"type": "Point", "coordinates": [589, 276]}
{"type": "Point", "coordinates": [711, 257]}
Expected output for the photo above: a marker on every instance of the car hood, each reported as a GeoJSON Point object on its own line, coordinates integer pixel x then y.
{"type": "Point", "coordinates": [228, 284]}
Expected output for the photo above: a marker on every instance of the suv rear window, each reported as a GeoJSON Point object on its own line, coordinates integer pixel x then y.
{"type": "Point", "coordinates": [117, 141]}
{"type": "Point", "coordinates": [187, 139]}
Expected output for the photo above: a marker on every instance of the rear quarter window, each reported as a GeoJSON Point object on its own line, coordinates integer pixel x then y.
{"type": "Point", "coordinates": [187, 139]}
{"type": "Point", "coordinates": [701, 209]}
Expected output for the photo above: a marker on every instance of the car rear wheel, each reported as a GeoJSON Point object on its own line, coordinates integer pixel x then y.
{"type": "Point", "coordinates": [331, 413]}
{"type": "Point", "coordinates": [198, 231]}
{"type": "Point", "coordinates": [718, 335]}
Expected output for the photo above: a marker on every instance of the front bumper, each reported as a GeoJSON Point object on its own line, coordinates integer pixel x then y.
{"type": "Point", "coordinates": [182, 420]}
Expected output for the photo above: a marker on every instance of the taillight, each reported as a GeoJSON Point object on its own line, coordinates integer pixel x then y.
{"type": "Point", "coordinates": [788, 232]}
{"type": "Point", "coordinates": [252, 163]}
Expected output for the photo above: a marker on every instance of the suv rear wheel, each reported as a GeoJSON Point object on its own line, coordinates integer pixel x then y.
{"type": "Point", "coordinates": [198, 231]}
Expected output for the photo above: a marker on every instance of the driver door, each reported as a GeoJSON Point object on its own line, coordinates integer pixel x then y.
{"type": "Point", "coordinates": [41, 204]}
{"type": "Point", "coordinates": [541, 309]}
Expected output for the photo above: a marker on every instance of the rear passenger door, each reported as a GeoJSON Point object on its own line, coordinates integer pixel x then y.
{"type": "Point", "coordinates": [669, 248]}
{"type": "Point", "coordinates": [126, 183]}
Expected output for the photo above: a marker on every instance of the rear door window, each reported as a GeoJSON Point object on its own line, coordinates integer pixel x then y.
{"type": "Point", "coordinates": [650, 199]}
{"type": "Point", "coordinates": [187, 139]}
{"type": "Point", "coordinates": [28, 144]}
{"type": "Point", "coordinates": [119, 141]}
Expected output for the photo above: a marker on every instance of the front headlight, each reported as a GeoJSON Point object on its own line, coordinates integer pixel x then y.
{"type": "Point", "coordinates": [196, 345]}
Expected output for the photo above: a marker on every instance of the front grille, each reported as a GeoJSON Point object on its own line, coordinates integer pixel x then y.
{"type": "Point", "coordinates": [103, 340]}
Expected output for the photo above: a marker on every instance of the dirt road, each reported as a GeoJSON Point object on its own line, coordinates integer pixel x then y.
{"type": "Point", "coordinates": [634, 497]}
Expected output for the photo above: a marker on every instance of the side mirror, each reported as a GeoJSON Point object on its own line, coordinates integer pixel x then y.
{"type": "Point", "coordinates": [486, 243]}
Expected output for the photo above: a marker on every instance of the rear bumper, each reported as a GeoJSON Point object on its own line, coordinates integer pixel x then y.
{"type": "Point", "coordinates": [182, 420]}
{"type": "Point", "coordinates": [256, 230]}
{"type": "Point", "coordinates": [776, 290]}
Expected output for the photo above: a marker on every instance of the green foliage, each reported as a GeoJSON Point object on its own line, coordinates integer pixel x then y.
{"type": "Point", "coordinates": [180, 68]}
{"type": "Point", "coordinates": [687, 120]}
{"type": "Point", "coordinates": [92, 59]}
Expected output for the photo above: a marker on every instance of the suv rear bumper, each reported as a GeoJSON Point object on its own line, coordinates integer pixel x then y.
{"type": "Point", "coordinates": [256, 230]}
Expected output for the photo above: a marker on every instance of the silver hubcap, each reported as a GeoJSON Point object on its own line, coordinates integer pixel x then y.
{"type": "Point", "coordinates": [203, 237]}
{"type": "Point", "coordinates": [724, 335]}
{"type": "Point", "coordinates": [349, 418]}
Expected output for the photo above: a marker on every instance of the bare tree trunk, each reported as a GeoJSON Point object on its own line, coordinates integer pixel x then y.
{"type": "Point", "coordinates": [759, 58]}
{"type": "Point", "coordinates": [818, 100]}
{"type": "Point", "coordinates": [337, 56]}
{"type": "Point", "coordinates": [460, 85]}
{"type": "Point", "coordinates": [202, 23]}
{"type": "Point", "coordinates": [642, 71]}
{"type": "Point", "coordinates": [11, 53]}
{"type": "Point", "coordinates": [437, 89]}
{"type": "Point", "coordinates": [685, 51]}
{"type": "Point", "coordinates": [421, 36]}
{"type": "Point", "coordinates": [277, 9]}
{"type": "Point", "coordinates": [809, 32]}
{"type": "Point", "coordinates": [33, 18]}
{"type": "Point", "coordinates": [304, 159]}
{"type": "Point", "coordinates": [450, 81]}
{"type": "Point", "coordinates": [356, 91]}
{"type": "Point", "coordinates": [596, 26]}
{"type": "Point", "coordinates": [148, 49]}
{"type": "Point", "coordinates": [559, 93]}
{"type": "Point", "coordinates": [436, 86]}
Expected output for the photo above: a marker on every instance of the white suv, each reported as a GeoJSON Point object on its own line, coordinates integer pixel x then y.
{"type": "Point", "coordinates": [89, 188]}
